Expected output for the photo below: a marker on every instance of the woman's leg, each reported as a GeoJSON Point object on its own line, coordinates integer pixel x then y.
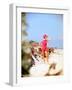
{"type": "Point", "coordinates": [42, 53]}
{"type": "Point", "coordinates": [46, 56]}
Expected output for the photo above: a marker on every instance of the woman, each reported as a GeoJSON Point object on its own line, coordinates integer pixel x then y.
{"type": "Point", "coordinates": [44, 48]}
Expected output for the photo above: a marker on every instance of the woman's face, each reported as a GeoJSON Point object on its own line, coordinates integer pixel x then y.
{"type": "Point", "coordinates": [46, 38]}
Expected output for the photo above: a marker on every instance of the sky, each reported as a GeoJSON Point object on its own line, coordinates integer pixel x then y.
{"type": "Point", "coordinates": [50, 24]}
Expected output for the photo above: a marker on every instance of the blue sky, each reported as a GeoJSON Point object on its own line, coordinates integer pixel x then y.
{"type": "Point", "coordinates": [50, 24]}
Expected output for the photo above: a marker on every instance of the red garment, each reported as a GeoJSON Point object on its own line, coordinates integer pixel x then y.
{"type": "Point", "coordinates": [44, 45]}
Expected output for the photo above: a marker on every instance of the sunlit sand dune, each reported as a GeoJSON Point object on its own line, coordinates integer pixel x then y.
{"type": "Point", "coordinates": [39, 70]}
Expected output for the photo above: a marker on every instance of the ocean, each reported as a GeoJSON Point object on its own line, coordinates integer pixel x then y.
{"type": "Point", "coordinates": [56, 43]}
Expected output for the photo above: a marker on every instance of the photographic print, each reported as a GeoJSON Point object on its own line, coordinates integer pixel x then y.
{"type": "Point", "coordinates": [41, 44]}
{"type": "Point", "coordinates": [38, 44]}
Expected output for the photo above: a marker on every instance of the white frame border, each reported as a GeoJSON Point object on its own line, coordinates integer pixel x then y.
{"type": "Point", "coordinates": [14, 76]}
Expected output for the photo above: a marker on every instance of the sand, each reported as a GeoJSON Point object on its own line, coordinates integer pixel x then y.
{"type": "Point", "coordinates": [41, 68]}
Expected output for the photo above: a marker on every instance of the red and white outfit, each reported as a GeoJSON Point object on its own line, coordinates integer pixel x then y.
{"type": "Point", "coordinates": [44, 45]}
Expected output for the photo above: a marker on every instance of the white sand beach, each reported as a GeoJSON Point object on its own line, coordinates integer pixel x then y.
{"type": "Point", "coordinates": [52, 67]}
